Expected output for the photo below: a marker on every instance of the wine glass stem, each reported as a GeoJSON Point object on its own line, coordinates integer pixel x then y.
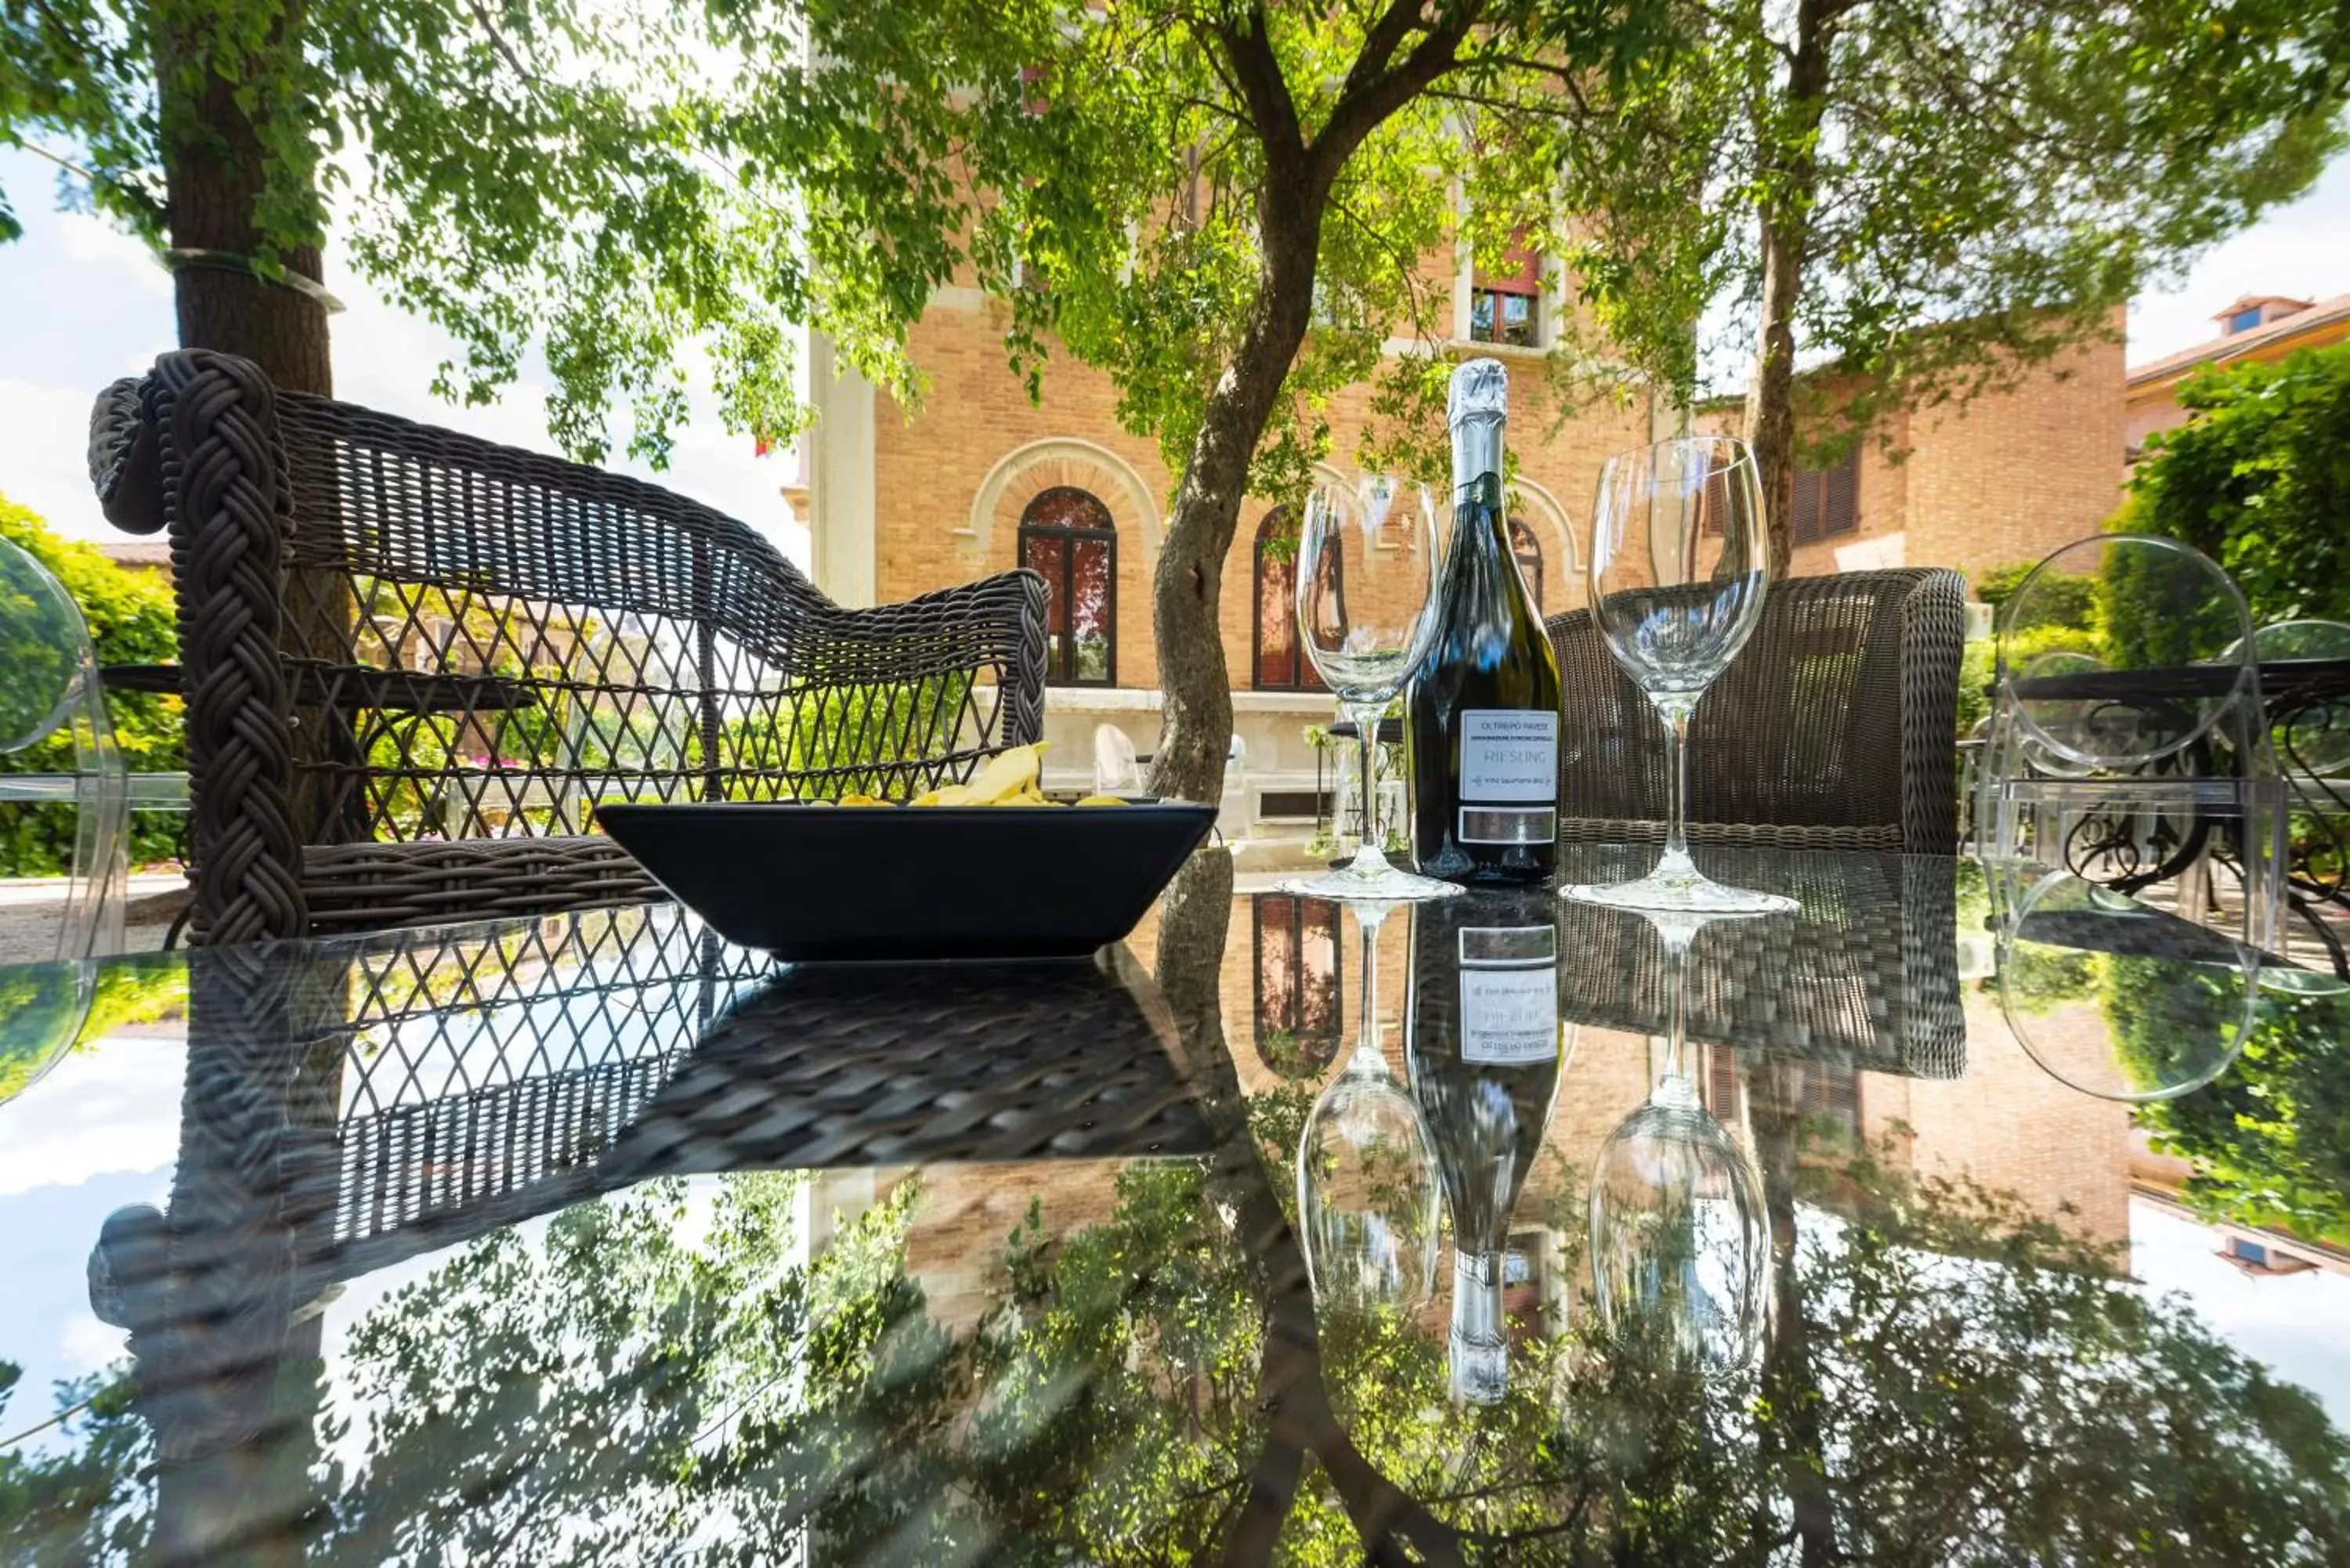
{"type": "Point", "coordinates": [1676, 713]}
{"type": "Point", "coordinates": [1369, 860]}
{"type": "Point", "coordinates": [1675, 1088]}
{"type": "Point", "coordinates": [1368, 1055]}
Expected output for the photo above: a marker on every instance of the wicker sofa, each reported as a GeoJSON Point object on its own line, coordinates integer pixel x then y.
{"type": "Point", "coordinates": [1835, 728]}
{"type": "Point", "coordinates": [413, 661]}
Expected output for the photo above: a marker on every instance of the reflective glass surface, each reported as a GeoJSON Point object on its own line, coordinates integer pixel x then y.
{"type": "Point", "coordinates": [593, 1240]}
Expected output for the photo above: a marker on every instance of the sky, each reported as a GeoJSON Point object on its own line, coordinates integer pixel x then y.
{"type": "Point", "coordinates": [81, 303]}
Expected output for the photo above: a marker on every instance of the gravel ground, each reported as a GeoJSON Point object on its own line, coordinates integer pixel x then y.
{"type": "Point", "coordinates": [31, 907]}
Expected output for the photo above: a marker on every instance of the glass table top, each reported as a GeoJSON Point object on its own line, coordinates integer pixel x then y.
{"type": "Point", "coordinates": [1281, 1232]}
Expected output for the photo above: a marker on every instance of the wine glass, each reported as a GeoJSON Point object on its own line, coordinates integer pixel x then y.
{"type": "Point", "coordinates": [1365, 562]}
{"type": "Point", "coordinates": [1679, 1241]}
{"type": "Point", "coordinates": [1367, 1188]}
{"type": "Point", "coordinates": [1679, 558]}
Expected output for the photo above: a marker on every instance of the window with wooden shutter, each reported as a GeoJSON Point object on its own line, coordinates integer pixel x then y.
{"type": "Point", "coordinates": [1827, 501]}
{"type": "Point", "coordinates": [1506, 305]}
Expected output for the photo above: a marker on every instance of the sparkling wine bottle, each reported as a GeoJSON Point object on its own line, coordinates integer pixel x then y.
{"type": "Point", "coordinates": [1483, 1045]}
{"type": "Point", "coordinates": [1481, 720]}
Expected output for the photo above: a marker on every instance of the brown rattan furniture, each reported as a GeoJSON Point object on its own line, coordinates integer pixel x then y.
{"type": "Point", "coordinates": [1834, 729]}
{"type": "Point", "coordinates": [414, 661]}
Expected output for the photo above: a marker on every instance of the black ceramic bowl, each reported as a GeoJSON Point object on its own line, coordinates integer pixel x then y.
{"type": "Point", "coordinates": [817, 883]}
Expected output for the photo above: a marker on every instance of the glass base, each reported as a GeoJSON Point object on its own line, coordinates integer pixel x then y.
{"type": "Point", "coordinates": [1677, 885]}
{"type": "Point", "coordinates": [1368, 878]}
{"type": "Point", "coordinates": [1385, 886]}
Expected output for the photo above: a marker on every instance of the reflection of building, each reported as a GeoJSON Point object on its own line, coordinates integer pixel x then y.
{"type": "Point", "coordinates": [1300, 976]}
{"type": "Point", "coordinates": [2262, 327]}
{"type": "Point", "coordinates": [2258, 1253]}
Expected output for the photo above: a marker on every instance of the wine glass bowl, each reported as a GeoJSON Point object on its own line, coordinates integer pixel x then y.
{"type": "Point", "coordinates": [1680, 1241]}
{"type": "Point", "coordinates": [1680, 564]}
{"type": "Point", "coordinates": [1366, 566]}
{"type": "Point", "coordinates": [1367, 1194]}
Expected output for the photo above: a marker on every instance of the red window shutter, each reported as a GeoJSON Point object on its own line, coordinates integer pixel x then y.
{"type": "Point", "coordinates": [1519, 271]}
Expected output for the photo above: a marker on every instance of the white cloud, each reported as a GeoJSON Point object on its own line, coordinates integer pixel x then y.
{"type": "Point", "coordinates": [87, 1344]}
{"type": "Point", "coordinates": [43, 433]}
{"type": "Point", "coordinates": [111, 1106]}
{"type": "Point", "coordinates": [96, 245]}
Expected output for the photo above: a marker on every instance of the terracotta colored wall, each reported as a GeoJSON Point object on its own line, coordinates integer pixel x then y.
{"type": "Point", "coordinates": [2014, 475]}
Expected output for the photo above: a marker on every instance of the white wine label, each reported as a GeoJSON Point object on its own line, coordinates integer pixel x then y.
{"type": "Point", "coordinates": [1509, 756]}
{"type": "Point", "coordinates": [1509, 1017]}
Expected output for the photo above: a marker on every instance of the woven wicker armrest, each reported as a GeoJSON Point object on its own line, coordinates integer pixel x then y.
{"type": "Point", "coordinates": [993, 624]}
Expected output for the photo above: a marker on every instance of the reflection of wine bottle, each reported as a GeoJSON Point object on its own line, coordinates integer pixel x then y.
{"type": "Point", "coordinates": [1481, 717]}
{"type": "Point", "coordinates": [1482, 1038]}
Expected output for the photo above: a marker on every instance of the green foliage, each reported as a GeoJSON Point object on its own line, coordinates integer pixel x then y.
{"type": "Point", "coordinates": [665, 1375]}
{"type": "Point", "coordinates": [2259, 480]}
{"type": "Point", "coordinates": [828, 741]}
{"type": "Point", "coordinates": [87, 1497]}
{"type": "Point", "coordinates": [2270, 1138]}
{"type": "Point", "coordinates": [610, 189]}
{"type": "Point", "coordinates": [2064, 600]}
{"type": "Point", "coordinates": [41, 1015]}
{"type": "Point", "coordinates": [1978, 185]}
{"type": "Point", "coordinates": [132, 621]}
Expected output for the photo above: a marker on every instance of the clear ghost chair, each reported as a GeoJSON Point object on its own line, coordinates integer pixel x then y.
{"type": "Point", "coordinates": [2129, 745]}
{"type": "Point", "coordinates": [49, 687]}
{"type": "Point", "coordinates": [2131, 803]}
{"type": "Point", "coordinates": [1117, 770]}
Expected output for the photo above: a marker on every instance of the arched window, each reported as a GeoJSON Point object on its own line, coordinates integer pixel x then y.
{"type": "Point", "coordinates": [1528, 549]}
{"type": "Point", "coordinates": [1067, 537]}
{"type": "Point", "coordinates": [1280, 664]}
{"type": "Point", "coordinates": [1298, 984]}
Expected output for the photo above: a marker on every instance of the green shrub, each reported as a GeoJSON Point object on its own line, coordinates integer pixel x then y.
{"type": "Point", "coordinates": [2072, 602]}
{"type": "Point", "coordinates": [2259, 480]}
{"type": "Point", "coordinates": [131, 620]}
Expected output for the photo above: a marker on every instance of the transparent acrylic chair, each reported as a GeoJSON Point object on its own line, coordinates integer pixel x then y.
{"type": "Point", "coordinates": [2128, 805]}
{"type": "Point", "coordinates": [49, 687]}
{"type": "Point", "coordinates": [1116, 768]}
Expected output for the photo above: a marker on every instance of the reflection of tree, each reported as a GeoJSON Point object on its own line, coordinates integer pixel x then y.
{"type": "Point", "coordinates": [83, 1497]}
{"type": "Point", "coordinates": [665, 1376]}
{"type": "Point", "coordinates": [651, 1380]}
{"type": "Point", "coordinates": [2271, 1138]}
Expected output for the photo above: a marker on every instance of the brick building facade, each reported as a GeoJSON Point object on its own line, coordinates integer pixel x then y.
{"type": "Point", "coordinates": [903, 501]}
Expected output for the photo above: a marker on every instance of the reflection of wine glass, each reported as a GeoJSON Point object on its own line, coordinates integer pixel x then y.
{"type": "Point", "coordinates": [1679, 564]}
{"type": "Point", "coordinates": [1679, 1242]}
{"type": "Point", "coordinates": [1366, 1191]}
{"type": "Point", "coordinates": [1365, 564]}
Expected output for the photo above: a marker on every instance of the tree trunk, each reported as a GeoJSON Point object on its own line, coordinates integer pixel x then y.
{"type": "Point", "coordinates": [213, 163]}
{"type": "Point", "coordinates": [1793, 1443]}
{"type": "Point", "coordinates": [1791, 170]}
{"type": "Point", "coordinates": [1196, 725]}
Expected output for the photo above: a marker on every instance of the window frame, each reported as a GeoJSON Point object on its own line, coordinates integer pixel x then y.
{"type": "Point", "coordinates": [1810, 521]}
{"type": "Point", "coordinates": [1062, 672]}
{"type": "Point", "coordinates": [1303, 677]}
{"type": "Point", "coordinates": [1291, 935]}
{"type": "Point", "coordinates": [1519, 528]}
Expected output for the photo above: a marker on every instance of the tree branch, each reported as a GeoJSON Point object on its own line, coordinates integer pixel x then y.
{"type": "Point", "coordinates": [1365, 104]}
{"type": "Point", "coordinates": [1263, 87]}
{"type": "Point", "coordinates": [1380, 44]}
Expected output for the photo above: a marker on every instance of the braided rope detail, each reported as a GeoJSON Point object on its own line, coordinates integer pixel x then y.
{"type": "Point", "coordinates": [1933, 640]}
{"type": "Point", "coordinates": [227, 504]}
{"type": "Point", "coordinates": [113, 424]}
{"type": "Point", "coordinates": [1023, 686]}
